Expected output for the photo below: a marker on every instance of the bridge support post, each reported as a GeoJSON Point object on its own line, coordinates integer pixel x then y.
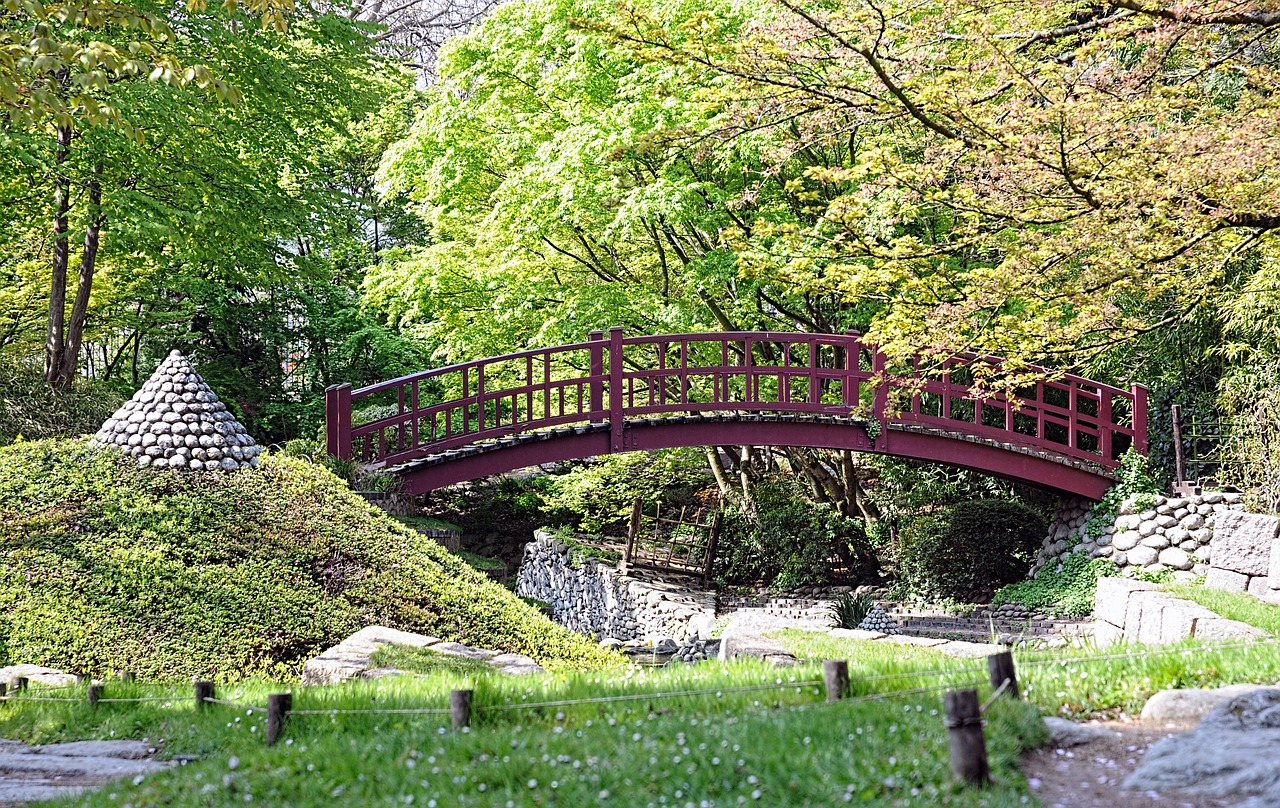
{"type": "Point", "coordinates": [337, 420]}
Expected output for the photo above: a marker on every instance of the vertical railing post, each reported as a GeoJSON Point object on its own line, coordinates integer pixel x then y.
{"type": "Point", "coordinates": [1139, 418]}
{"type": "Point", "coordinates": [1106, 425]}
{"type": "Point", "coordinates": [597, 370]}
{"type": "Point", "coordinates": [880, 401]}
{"type": "Point", "coordinates": [852, 358]}
{"type": "Point", "coordinates": [480, 397]}
{"type": "Point", "coordinates": [616, 443]}
{"type": "Point", "coordinates": [337, 420]}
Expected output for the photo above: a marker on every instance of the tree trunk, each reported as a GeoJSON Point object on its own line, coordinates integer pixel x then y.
{"type": "Point", "coordinates": [88, 263]}
{"type": "Point", "coordinates": [54, 341]}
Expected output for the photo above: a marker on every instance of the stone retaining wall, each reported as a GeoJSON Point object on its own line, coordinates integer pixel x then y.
{"type": "Point", "coordinates": [1136, 611]}
{"type": "Point", "coordinates": [1174, 533]}
{"type": "Point", "coordinates": [594, 598]}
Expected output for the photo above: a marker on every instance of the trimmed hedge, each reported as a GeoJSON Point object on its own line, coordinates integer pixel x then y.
{"type": "Point", "coordinates": [106, 566]}
{"type": "Point", "coordinates": [969, 550]}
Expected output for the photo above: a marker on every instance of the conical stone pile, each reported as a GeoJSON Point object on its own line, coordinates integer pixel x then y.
{"type": "Point", "coordinates": [176, 421]}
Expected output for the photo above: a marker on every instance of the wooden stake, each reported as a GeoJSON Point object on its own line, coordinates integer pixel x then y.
{"type": "Point", "coordinates": [95, 693]}
{"type": "Point", "coordinates": [278, 706]}
{"type": "Point", "coordinates": [204, 690]}
{"type": "Point", "coordinates": [127, 677]}
{"type": "Point", "coordinates": [460, 708]}
{"type": "Point", "coordinates": [967, 745]}
{"type": "Point", "coordinates": [1000, 668]}
{"type": "Point", "coordinates": [17, 684]}
{"type": "Point", "coordinates": [835, 675]}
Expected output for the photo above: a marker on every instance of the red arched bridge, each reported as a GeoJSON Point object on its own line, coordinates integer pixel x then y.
{"type": "Point", "coordinates": [616, 393]}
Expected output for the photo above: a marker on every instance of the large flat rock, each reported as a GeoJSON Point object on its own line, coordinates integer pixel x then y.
{"type": "Point", "coordinates": [353, 657]}
{"type": "Point", "coordinates": [1231, 753]}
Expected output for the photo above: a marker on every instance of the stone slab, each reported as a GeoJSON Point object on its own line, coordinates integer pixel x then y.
{"type": "Point", "coordinates": [39, 674]}
{"type": "Point", "coordinates": [1105, 634]}
{"type": "Point", "coordinates": [923, 642]}
{"type": "Point", "coordinates": [1228, 580]}
{"type": "Point", "coordinates": [1178, 620]}
{"type": "Point", "coordinates": [95, 769]}
{"type": "Point", "coordinates": [1242, 541]}
{"type": "Point", "coordinates": [125, 750]}
{"type": "Point", "coordinates": [1273, 567]}
{"type": "Point", "coordinates": [1187, 705]}
{"type": "Point", "coordinates": [1259, 586]}
{"type": "Point", "coordinates": [1112, 598]}
{"type": "Point", "coordinates": [1220, 628]}
{"type": "Point", "coordinates": [23, 792]}
{"type": "Point", "coordinates": [1064, 733]}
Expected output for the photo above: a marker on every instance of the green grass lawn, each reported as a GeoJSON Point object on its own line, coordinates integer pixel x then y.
{"type": "Point", "coordinates": [745, 733]}
{"type": "Point", "coordinates": [752, 734]}
{"type": "Point", "coordinates": [1232, 605]}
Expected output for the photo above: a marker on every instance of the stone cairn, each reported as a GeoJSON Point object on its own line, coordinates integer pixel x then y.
{"type": "Point", "coordinates": [878, 619]}
{"type": "Point", "coordinates": [176, 421]}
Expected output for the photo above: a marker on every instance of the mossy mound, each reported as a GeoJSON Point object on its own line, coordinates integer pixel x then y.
{"type": "Point", "coordinates": [171, 574]}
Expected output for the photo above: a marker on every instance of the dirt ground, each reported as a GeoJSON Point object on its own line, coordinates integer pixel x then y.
{"type": "Point", "coordinates": [1090, 775]}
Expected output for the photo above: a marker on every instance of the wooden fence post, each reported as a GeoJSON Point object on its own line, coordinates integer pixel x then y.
{"type": "Point", "coordinates": [278, 706]}
{"type": "Point", "coordinates": [17, 684]}
{"type": "Point", "coordinates": [204, 690]}
{"type": "Point", "coordinates": [1000, 668]}
{"type": "Point", "coordinates": [967, 745]}
{"type": "Point", "coordinates": [633, 530]}
{"type": "Point", "coordinates": [127, 677]}
{"type": "Point", "coordinates": [713, 541]}
{"type": "Point", "coordinates": [94, 694]}
{"type": "Point", "coordinates": [4, 691]}
{"type": "Point", "coordinates": [460, 708]}
{"type": "Point", "coordinates": [835, 675]}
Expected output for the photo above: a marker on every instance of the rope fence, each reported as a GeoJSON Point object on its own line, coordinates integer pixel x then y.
{"type": "Point", "coordinates": [963, 713]}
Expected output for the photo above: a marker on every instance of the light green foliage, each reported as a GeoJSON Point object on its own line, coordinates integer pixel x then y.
{"type": "Point", "coordinates": [598, 496]}
{"type": "Point", "coordinates": [1065, 588]}
{"type": "Point", "coordinates": [107, 566]}
{"type": "Point", "coordinates": [968, 550]}
{"type": "Point", "coordinates": [1136, 480]}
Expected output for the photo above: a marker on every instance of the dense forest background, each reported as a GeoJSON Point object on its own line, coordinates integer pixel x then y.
{"type": "Point", "coordinates": [296, 197]}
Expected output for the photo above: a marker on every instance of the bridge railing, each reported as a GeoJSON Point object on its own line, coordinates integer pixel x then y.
{"type": "Point", "coordinates": [610, 378]}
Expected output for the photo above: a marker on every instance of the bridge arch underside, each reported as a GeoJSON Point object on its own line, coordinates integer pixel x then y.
{"type": "Point", "coordinates": [1008, 461]}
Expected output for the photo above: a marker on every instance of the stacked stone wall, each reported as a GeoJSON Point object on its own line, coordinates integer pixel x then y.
{"type": "Point", "coordinates": [595, 598]}
{"type": "Point", "coordinates": [1173, 533]}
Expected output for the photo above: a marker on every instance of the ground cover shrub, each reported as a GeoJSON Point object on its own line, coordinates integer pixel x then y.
{"type": "Point", "coordinates": [850, 610]}
{"type": "Point", "coordinates": [32, 409]}
{"type": "Point", "coordinates": [105, 566]}
{"type": "Point", "coordinates": [1136, 480]}
{"type": "Point", "coordinates": [703, 748]}
{"type": "Point", "coordinates": [969, 550]}
{"type": "Point", "coordinates": [1066, 588]}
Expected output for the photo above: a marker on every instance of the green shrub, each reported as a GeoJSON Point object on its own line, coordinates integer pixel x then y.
{"type": "Point", "coordinates": [969, 550]}
{"type": "Point", "coordinates": [597, 497]}
{"type": "Point", "coordinates": [850, 610]}
{"type": "Point", "coordinates": [30, 408]}
{"type": "Point", "coordinates": [1065, 588]}
{"type": "Point", "coordinates": [107, 566]}
{"type": "Point", "coordinates": [792, 543]}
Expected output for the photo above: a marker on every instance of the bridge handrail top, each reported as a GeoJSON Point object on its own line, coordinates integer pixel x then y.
{"type": "Point", "coordinates": [723, 336]}
{"type": "Point", "coordinates": [468, 365]}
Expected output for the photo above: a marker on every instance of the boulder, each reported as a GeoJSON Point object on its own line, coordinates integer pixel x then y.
{"type": "Point", "coordinates": [1242, 541]}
